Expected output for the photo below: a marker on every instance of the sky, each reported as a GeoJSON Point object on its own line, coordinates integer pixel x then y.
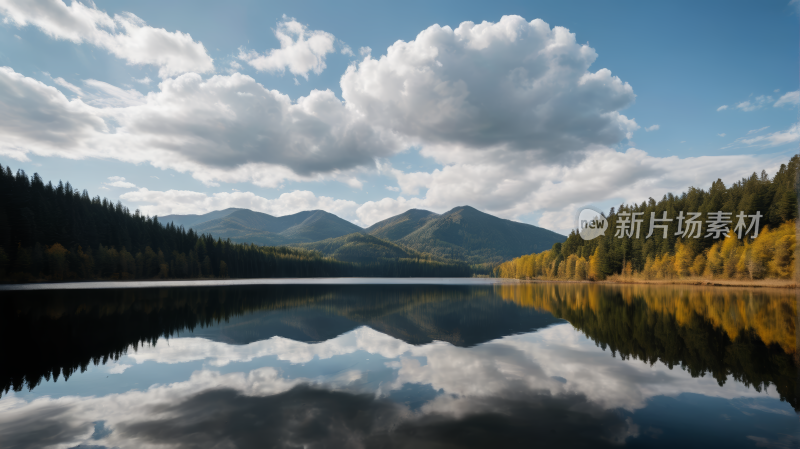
{"type": "Point", "coordinates": [526, 110]}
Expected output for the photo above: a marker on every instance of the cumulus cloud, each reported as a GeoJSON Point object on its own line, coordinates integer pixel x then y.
{"type": "Point", "coordinates": [652, 128]}
{"type": "Point", "coordinates": [510, 110]}
{"type": "Point", "coordinates": [513, 85]}
{"type": "Point", "coordinates": [226, 128]}
{"type": "Point", "coordinates": [505, 88]}
{"type": "Point", "coordinates": [124, 35]}
{"type": "Point", "coordinates": [722, 108]}
{"type": "Point", "coordinates": [302, 50]}
{"type": "Point", "coordinates": [146, 80]}
{"type": "Point", "coordinates": [119, 181]}
{"type": "Point", "coordinates": [35, 117]}
{"type": "Point", "coordinates": [790, 98]}
{"type": "Point", "coordinates": [187, 202]}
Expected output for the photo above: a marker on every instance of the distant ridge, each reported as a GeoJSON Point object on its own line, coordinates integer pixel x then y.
{"type": "Point", "coordinates": [462, 234]}
{"type": "Point", "coordinates": [399, 226]}
{"type": "Point", "coordinates": [465, 233]}
{"type": "Point", "coordinates": [364, 248]}
{"type": "Point", "coordinates": [246, 226]}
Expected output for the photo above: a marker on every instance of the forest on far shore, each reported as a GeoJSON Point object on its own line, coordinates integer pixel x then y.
{"type": "Point", "coordinates": [770, 255]}
{"type": "Point", "coordinates": [57, 233]}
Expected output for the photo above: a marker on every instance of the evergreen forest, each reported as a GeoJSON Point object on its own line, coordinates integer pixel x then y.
{"type": "Point", "coordinates": [58, 233]}
{"type": "Point", "coordinates": [769, 254]}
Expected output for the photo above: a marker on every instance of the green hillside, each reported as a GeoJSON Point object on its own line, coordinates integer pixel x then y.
{"type": "Point", "coordinates": [465, 233]}
{"type": "Point", "coordinates": [399, 226]}
{"type": "Point", "coordinates": [246, 226]}
{"type": "Point", "coordinates": [362, 248]}
{"type": "Point", "coordinates": [319, 225]}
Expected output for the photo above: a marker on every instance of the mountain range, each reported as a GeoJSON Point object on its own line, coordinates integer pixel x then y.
{"type": "Point", "coordinates": [247, 226]}
{"type": "Point", "coordinates": [463, 233]}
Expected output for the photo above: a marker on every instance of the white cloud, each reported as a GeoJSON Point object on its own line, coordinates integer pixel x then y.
{"type": "Point", "coordinates": [125, 35]}
{"type": "Point", "coordinates": [510, 85]}
{"type": "Point", "coordinates": [17, 36]}
{"type": "Point", "coordinates": [146, 80]}
{"type": "Point", "coordinates": [364, 51]}
{"type": "Point", "coordinates": [721, 134]}
{"type": "Point", "coordinates": [652, 128]}
{"type": "Point", "coordinates": [757, 103]}
{"type": "Point", "coordinates": [226, 128]}
{"type": "Point", "coordinates": [346, 50]}
{"type": "Point", "coordinates": [773, 139]}
{"type": "Point", "coordinates": [722, 108]}
{"type": "Point", "coordinates": [120, 182]}
{"type": "Point", "coordinates": [514, 187]}
{"type": "Point", "coordinates": [393, 188]}
{"type": "Point", "coordinates": [110, 96]}
{"type": "Point", "coordinates": [470, 92]}
{"type": "Point", "coordinates": [753, 131]}
{"type": "Point", "coordinates": [790, 98]}
{"type": "Point", "coordinates": [69, 86]}
{"type": "Point", "coordinates": [188, 202]}
{"type": "Point", "coordinates": [509, 110]}
{"type": "Point", "coordinates": [116, 368]}
{"type": "Point", "coordinates": [302, 50]}
{"type": "Point", "coordinates": [17, 155]}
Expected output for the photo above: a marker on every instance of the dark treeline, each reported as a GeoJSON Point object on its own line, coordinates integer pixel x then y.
{"type": "Point", "coordinates": [58, 233]}
{"type": "Point", "coordinates": [658, 257]}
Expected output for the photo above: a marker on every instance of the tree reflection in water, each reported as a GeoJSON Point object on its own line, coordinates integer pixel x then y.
{"type": "Point", "coordinates": [489, 357]}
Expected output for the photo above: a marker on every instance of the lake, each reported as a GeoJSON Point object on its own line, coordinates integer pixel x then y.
{"type": "Point", "coordinates": [421, 363]}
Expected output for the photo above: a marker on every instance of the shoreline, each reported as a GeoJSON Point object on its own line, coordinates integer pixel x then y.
{"type": "Point", "coordinates": [697, 282]}
{"type": "Point", "coordinates": [210, 282]}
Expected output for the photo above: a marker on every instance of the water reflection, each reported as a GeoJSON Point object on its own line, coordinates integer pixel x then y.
{"type": "Point", "coordinates": [352, 366]}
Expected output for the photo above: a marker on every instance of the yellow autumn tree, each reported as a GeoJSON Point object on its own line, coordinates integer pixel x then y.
{"type": "Point", "coordinates": [684, 257]}
{"type": "Point", "coordinates": [699, 265]}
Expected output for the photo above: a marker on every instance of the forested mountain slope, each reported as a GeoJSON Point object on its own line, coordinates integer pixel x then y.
{"type": "Point", "coordinates": [399, 226]}
{"type": "Point", "coordinates": [465, 233]}
{"type": "Point", "coordinates": [246, 226]}
{"type": "Point", "coordinates": [359, 247]}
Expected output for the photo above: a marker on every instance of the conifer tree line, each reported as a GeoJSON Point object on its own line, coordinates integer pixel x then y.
{"type": "Point", "coordinates": [769, 255]}
{"type": "Point", "coordinates": [55, 232]}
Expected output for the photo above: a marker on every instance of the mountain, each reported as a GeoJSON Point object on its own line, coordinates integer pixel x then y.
{"type": "Point", "coordinates": [246, 226]}
{"type": "Point", "coordinates": [465, 233]}
{"type": "Point", "coordinates": [399, 226]}
{"type": "Point", "coordinates": [364, 248]}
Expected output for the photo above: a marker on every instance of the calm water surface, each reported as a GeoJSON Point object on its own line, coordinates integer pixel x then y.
{"type": "Point", "coordinates": [417, 363]}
